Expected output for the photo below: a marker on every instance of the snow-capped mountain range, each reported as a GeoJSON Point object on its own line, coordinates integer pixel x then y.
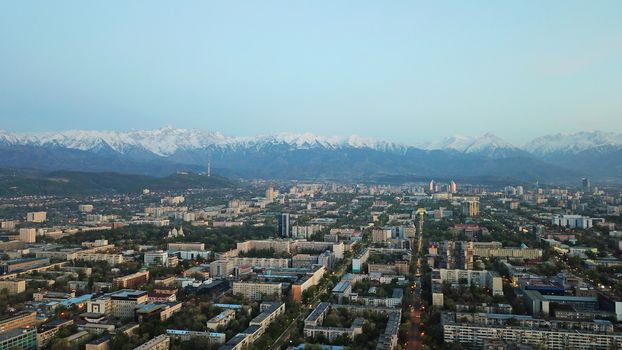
{"type": "Point", "coordinates": [487, 144]}
{"type": "Point", "coordinates": [168, 140]}
{"type": "Point", "coordinates": [285, 154]}
{"type": "Point", "coordinates": [574, 143]}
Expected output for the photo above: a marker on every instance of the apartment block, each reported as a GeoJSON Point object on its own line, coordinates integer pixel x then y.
{"type": "Point", "coordinates": [258, 290]}
{"type": "Point", "coordinates": [475, 336]}
{"type": "Point", "coordinates": [132, 281]}
{"type": "Point", "coordinates": [260, 262]}
{"type": "Point", "coordinates": [28, 235]}
{"type": "Point", "coordinates": [36, 217]}
{"type": "Point", "coordinates": [161, 342]}
{"type": "Point", "coordinates": [159, 311]}
{"type": "Point", "coordinates": [359, 259]}
{"type": "Point", "coordinates": [17, 320]}
{"type": "Point", "coordinates": [478, 278]}
{"type": "Point", "coordinates": [507, 252]}
{"type": "Point", "coordinates": [155, 258]}
{"type": "Point", "coordinates": [308, 281]}
{"type": "Point", "coordinates": [222, 319]}
{"type": "Point", "coordinates": [470, 208]}
{"type": "Point", "coordinates": [381, 235]}
{"type": "Point", "coordinates": [186, 246]}
{"type": "Point", "coordinates": [110, 259]}
{"type": "Point", "coordinates": [279, 246]}
{"type": "Point", "coordinates": [13, 286]}
{"type": "Point", "coordinates": [185, 335]}
{"type": "Point", "coordinates": [19, 265]}
{"type": "Point", "coordinates": [19, 338]}
{"type": "Point", "coordinates": [125, 301]}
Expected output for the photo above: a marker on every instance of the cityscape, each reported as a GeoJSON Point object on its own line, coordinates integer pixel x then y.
{"type": "Point", "coordinates": [278, 175]}
{"type": "Point", "coordinates": [314, 265]}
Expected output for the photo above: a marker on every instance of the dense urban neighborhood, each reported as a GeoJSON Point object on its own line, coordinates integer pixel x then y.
{"type": "Point", "coordinates": [299, 265]}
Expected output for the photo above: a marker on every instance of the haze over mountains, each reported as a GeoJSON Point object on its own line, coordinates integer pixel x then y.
{"type": "Point", "coordinates": [561, 157]}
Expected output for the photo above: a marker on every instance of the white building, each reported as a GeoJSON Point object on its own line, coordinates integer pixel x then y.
{"type": "Point", "coordinates": [158, 257]}
{"type": "Point", "coordinates": [572, 221]}
{"type": "Point", "coordinates": [85, 208]}
{"type": "Point", "coordinates": [479, 278]}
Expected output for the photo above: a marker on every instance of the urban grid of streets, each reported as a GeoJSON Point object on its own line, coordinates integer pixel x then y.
{"type": "Point", "coordinates": [485, 250]}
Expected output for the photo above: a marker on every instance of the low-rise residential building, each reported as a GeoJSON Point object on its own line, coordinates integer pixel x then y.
{"type": "Point", "coordinates": [555, 335]}
{"type": "Point", "coordinates": [99, 343]}
{"type": "Point", "coordinates": [306, 282]}
{"type": "Point", "coordinates": [48, 331]}
{"type": "Point", "coordinates": [156, 258]}
{"type": "Point", "coordinates": [75, 340]}
{"type": "Point", "coordinates": [161, 342]}
{"type": "Point", "coordinates": [395, 300]}
{"type": "Point", "coordinates": [13, 286]}
{"type": "Point", "coordinates": [161, 311]}
{"type": "Point", "coordinates": [19, 338]}
{"type": "Point", "coordinates": [222, 319]}
{"type": "Point", "coordinates": [186, 246]}
{"type": "Point", "coordinates": [109, 258]}
{"type": "Point", "coordinates": [24, 264]}
{"type": "Point", "coordinates": [185, 335]}
{"type": "Point", "coordinates": [20, 319]}
{"type": "Point", "coordinates": [387, 341]}
{"type": "Point", "coordinates": [125, 302]}
{"type": "Point", "coordinates": [258, 290]}
{"type": "Point", "coordinates": [256, 328]}
{"type": "Point", "coordinates": [478, 278]}
{"type": "Point", "coordinates": [131, 281]}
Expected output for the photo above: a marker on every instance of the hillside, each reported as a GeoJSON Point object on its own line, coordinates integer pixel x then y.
{"type": "Point", "coordinates": [33, 182]}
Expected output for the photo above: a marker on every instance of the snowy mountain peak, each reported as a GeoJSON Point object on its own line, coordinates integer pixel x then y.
{"type": "Point", "coordinates": [488, 142]}
{"type": "Point", "coordinates": [167, 141]}
{"type": "Point", "coordinates": [573, 143]}
{"type": "Point", "coordinates": [466, 144]}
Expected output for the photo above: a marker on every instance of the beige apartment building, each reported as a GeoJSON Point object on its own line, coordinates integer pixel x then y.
{"type": "Point", "coordinates": [13, 286]}
{"type": "Point", "coordinates": [36, 216]}
{"type": "Point", "coordinates": [28, 235]}
{"type": "Point", "coordinates": [222, 319]}
{"type": "Point", "coordinates": [161, 342]}
{"type": "Point", "coordinates": [470, 208]}
{"type": "Point", "coordinates": [17, 320]}
{"type": "Point", "coordinates": [131, 281]}
{"type": "Point", "coordinates": [186, 246]}
{"type": "Point", "coordinates": [258, 290]}
{"type": "Point", "coordinates": [110, 259]}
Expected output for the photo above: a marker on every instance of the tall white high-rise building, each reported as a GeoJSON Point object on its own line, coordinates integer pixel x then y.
{"type": "Point", "coordinates": [453, 188]}
{"type": "Point", "coordinates": [284, 225]}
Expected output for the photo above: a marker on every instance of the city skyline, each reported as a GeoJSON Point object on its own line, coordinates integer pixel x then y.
{"type": "Point", "coordinates": [336, 69]}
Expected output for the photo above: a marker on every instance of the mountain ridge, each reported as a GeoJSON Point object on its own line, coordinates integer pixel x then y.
{"type": "Point", "coordinates": [166, 150]}
{"type": "Point", "coordinates": [166, 141]}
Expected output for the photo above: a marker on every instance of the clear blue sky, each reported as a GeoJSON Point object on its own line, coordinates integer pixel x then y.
{"type": "Point", "coordinates": [407, 71]}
